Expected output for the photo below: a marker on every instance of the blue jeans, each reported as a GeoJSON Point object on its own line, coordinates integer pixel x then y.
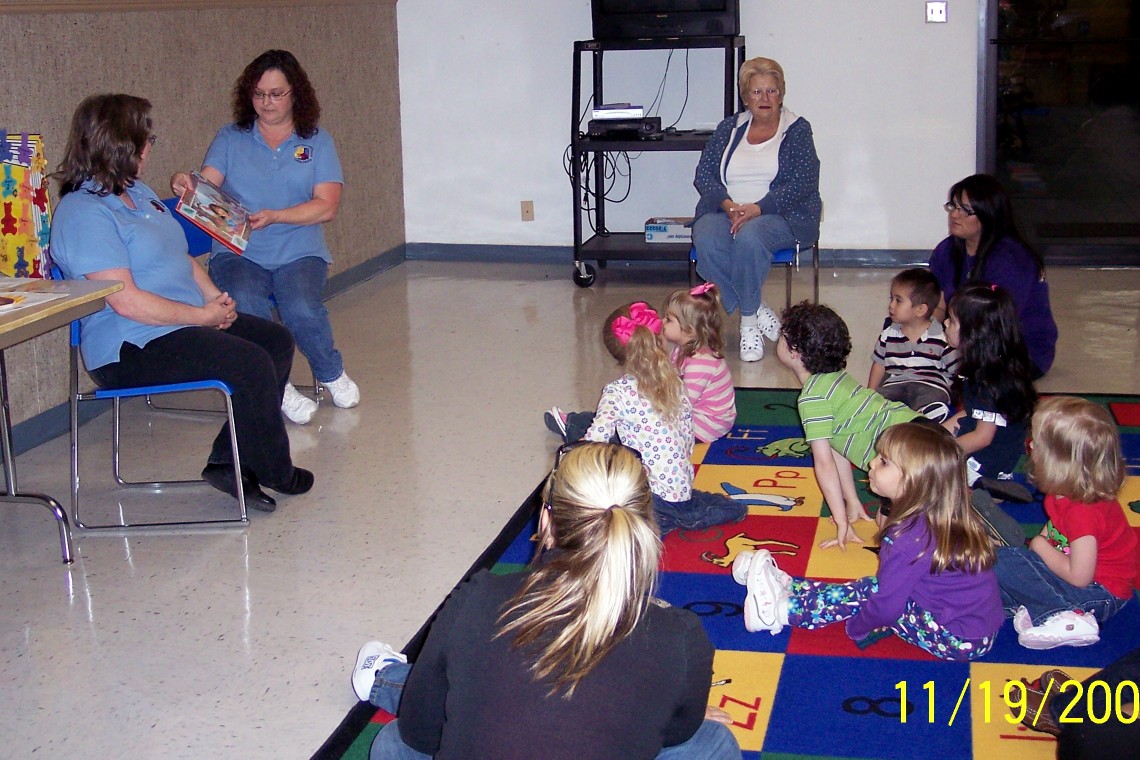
{"type": "Point", "coordinates": [1025, 580]}
{"type": "Point", "coordinates": [295, 290]}
{"type": "Point", "coordinates": [712, 741]}
{"type": "Point", "coordinates": [253, 357]}
{"type": "Point", "coordinates": [739, 265]}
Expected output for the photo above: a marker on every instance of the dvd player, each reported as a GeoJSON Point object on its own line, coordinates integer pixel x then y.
{"type": "Point", "coordinates": [647, 128]}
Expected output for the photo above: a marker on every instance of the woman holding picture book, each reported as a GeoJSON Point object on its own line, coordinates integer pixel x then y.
{"type": "Point", "coordinates": [170, 323]}
{"type": "Point", "coordinates": [278, 164]}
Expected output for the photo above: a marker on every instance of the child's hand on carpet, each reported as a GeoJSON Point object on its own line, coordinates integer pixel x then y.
{"type": "Point", "coordinates": [856, 512]}
{"type": "Point", "coordinates": [845, 534]}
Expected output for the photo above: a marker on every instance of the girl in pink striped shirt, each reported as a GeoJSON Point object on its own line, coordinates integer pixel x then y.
{"type": "Point", "coordinates": [693, 325]}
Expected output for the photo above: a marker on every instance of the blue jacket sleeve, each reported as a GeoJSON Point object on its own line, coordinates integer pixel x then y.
{"type": "Point", "coordinates": [794, 192]}
{"type": "Point", "coordinates": [900, 571]}
{"type": "Point", "coordinates": [707, 180]}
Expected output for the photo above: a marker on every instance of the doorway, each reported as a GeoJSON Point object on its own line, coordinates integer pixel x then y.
{"type": "Point", "coordinates": [1061, 101]}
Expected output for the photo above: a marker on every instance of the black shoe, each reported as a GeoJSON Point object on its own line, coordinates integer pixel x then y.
{"type": "Point", "coordinates": [300, 482]}
{"type": "Point", "coordinates": [1006, 490]}
{"type": "Point", "coordinates": [221, 477]}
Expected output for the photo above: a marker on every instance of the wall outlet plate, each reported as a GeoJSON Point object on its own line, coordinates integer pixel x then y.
{"type": "Point", "coordinates": [936, 11]}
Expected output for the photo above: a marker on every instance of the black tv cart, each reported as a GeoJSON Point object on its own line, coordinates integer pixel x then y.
{"type": "Point", "coordinates": [604, 245]}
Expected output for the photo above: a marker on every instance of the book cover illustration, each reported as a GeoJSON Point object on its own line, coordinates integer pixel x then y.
{"type": "Point", "coordinates": [218, 214]}
{"type": "Point", "coordinates": [25, 213]}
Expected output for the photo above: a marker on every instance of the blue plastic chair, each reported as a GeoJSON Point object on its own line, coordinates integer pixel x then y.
{"type": "Point", "coordinates": [116, 396]}
{"type": "Point", "coordinates": [788, 258]}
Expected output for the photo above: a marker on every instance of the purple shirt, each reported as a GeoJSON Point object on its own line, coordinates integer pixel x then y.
{"type": "Point", "coordinates": [1010, 266]}
{"type": "Point", "coordinates": [966, 604]}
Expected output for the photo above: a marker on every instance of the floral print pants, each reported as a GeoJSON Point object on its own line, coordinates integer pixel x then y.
{"type": "Point", "coordinates": [814, 604]}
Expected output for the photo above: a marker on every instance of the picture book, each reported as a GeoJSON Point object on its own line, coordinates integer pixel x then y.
{"type": "Point", "coordinates": [220, 215]}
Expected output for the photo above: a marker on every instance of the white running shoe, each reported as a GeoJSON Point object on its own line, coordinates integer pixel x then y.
{"type": "Point", "coordinates": [764, 593]}
{"type": "Point", "coordinates": [1021, 620]}
{"type": "Point", "coordinates": [344, 392]}
{"type": "Point", "coordinates": [297, 407]}
{"type": "Point", "coordinates": [371, 659]}
{"type": "Point", "coordinates": [1071, 628]}
{"type": "Point", "coordinates": [751, 344]}
{"type": "Point", "coordinates": [769, 323]}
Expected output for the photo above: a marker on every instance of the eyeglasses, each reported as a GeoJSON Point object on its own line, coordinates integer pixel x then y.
{"type": "Point", "coordinates": [272, 97]}
{"type": "Point", "coordinates": [955, 206]}
{"type": "Point", "coordinates": [152, 139]}
{"type": "Point", "coordinates": [771, 92]}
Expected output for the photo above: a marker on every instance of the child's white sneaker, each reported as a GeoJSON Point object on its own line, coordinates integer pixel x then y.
{"type": "Point", "coordinates": [371, 658]}
{"type": "Point", "coordinates": [743, 561]}
{"type": "Point", "coordinates": [297, 407]}
{"type": "Point", "coordinates": [769, 323]}
{"type": "Point", "coordinates": [1022, 622]}
{"type": "Point", "coordinates": [344, 392]}
{"type": "Point", "coordinates": [764, 592]}
{"type": "Point", "coordinates": [1071, 628]}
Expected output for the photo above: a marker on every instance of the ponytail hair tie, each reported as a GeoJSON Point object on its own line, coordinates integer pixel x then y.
{"type": "Point", "coordinates": [641, 314]}
{"type": "Point", "coordinates": [993, 287]}
{"type": "Point", "coordinates": [700, 290]}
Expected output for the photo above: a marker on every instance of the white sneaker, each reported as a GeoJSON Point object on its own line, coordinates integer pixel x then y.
{"type": "Point", "coordinates": [769, 323]}
{"type": "Point", "coordinates": [297, 407]}
{"type": "Point", "coordinates": [1021, 620]}
{"type": "Point", "coordinates": [764, 593]}
{"type": "Point", "coordinates": [1071, 628]}
{"type": "Point", "coordinates": [344, 392]}
{"type": "Point", "coordinates": [371, 659]}
{"type": "Point", "coordinates": [751, 344]}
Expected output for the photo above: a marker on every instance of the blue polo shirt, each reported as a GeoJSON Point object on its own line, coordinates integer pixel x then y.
{"type": "Point", "coordinates": [90, 233]}
{"type": "Point", "coordinates": [261, 177]}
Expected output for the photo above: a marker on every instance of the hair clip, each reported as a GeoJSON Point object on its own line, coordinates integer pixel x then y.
{"type": "Point", "coordinates": [700, 290]}
{"type": "Point", "coordinates": [641, 314]}
{"type": "Point", "coordinates": [993, 287]}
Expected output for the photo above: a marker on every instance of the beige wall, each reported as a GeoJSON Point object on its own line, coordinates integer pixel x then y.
{"type": "Point", "coordinates": [185, 63]}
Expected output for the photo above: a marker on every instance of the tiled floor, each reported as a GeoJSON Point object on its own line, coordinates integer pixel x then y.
{"type": "Point", "coordinates": [218, 644]}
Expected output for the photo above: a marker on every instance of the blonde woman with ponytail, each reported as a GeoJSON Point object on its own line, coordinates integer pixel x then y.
{"type": "Point", "coordinates": [574, 659]}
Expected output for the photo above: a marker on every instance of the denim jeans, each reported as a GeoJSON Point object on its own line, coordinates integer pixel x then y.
{"type": "Point", "coordinates": [1024, 580]}
{"type": "Point", "coordinates": [712, 741]}
{"type": "Point", "coordinates": [739, 265]}
{"type": "Point", "coordinates": [253, 357]}
{"type": "Point", "coordinates": [295, 290]}
{"type": "Point", "coordinates": [703, 510]}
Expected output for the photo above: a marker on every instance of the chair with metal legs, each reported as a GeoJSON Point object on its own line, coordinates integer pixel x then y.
{"type": "Point", "coordinates": [116, 397]}
{"type": "Point", "coordinates": [788, 258]}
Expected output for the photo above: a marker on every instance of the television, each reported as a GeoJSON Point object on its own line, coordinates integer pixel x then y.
{"type": "Point", "coordinates": [654, 19]}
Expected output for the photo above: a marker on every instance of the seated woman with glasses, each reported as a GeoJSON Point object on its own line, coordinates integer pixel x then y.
{"type": "Point", "coordinates": [573, 660]}
{"type": "Point", "coordinates": [984, 245]}
{"type": "Point", "coordinates": [758, 179]}
{"type": "Point", "coordinates": [170, 323]}
{"type": "Point", "coordinates": [285, 170]}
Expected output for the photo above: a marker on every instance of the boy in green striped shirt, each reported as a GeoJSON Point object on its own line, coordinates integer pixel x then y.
{"type": "Point", "coordinates": [841, 418]}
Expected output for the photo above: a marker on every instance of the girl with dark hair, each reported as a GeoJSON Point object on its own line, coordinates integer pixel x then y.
{"type": "Point", "coordinates": [170, 323]}
{"type": "Point", "coordinates": [573, 659]}
{"type": "Point", "coordinates": [985, 246]}
{"type": "Point", "coordinates": [285, 170]}
{"type": "Point", "coordinates": [998, 396]}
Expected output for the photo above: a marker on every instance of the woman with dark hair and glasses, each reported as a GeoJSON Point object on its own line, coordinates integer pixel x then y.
{"type": "Point", "coordinates": [284, 169]}
{"type": "Point", "coordinates": [170, 323]}
{"type": "Point", "coordinates": [984, 246]}
{"type": "Point", "coordinates": [574, 660]}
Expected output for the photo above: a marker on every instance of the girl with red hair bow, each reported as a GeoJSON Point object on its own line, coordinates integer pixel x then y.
{"type": "Point", "coordinates": [648, 411]}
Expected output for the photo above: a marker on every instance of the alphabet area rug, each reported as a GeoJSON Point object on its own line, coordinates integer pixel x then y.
{"type": "Point", "coordinates": [814, 694]}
